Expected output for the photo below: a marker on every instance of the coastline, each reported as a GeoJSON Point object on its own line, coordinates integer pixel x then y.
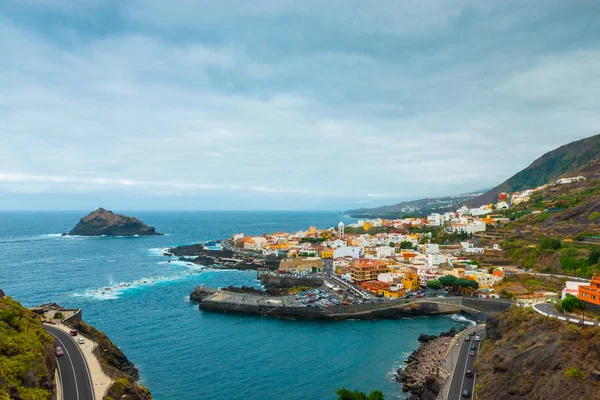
{"type": "Point", "coordinates": [419, 373]}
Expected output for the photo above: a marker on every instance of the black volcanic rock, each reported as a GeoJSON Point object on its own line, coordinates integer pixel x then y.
{"type": "Point", "coordinates": [104, 222]}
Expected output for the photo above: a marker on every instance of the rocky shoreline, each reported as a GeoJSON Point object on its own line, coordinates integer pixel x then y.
{"type": "Point", "coordinates": [418, 375]}
{"type": "Point", "coordinates": [224, 259]}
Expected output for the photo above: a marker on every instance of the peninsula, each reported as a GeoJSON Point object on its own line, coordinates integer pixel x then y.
{"type": "Point", "coordinates": [106, 223]}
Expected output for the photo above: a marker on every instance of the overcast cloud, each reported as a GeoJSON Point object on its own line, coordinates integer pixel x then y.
{"type": "Point", "coordinates": [285, 104]}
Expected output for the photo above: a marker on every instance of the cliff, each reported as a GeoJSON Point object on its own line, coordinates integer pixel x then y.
{"type": "Point", "coordinates": [116, 365]}
{"type": "Point", "coordinates": [103, 222]}
{"type": "Point", "coordinates": [526, 355]}
{"type": "Point", "coordinates": [27, 354]}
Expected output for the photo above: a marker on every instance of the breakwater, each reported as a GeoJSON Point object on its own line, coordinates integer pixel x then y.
{"type": "Point", "coordinates": [288, 307]}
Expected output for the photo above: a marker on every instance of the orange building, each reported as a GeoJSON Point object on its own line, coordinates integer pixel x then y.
{"type": "Point", "coordinates": [590, 293]}
{"type": "Point", "coordinates": [366, 270]}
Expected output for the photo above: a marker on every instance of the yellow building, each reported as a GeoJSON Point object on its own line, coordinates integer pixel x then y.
{"type": "Point", "coordinates": [392, 294]}
{"type": "Point", "coordinates": [411, 281]}
{"type": "Point", "coordinates": [327, 254]}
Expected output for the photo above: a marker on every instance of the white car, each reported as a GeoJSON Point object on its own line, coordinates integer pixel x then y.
{"type": "Point", "coordinates": [80, 340]}
{"type": "Point", "coordinates": [477, 338]}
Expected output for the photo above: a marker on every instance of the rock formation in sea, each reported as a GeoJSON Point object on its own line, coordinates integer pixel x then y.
{"type": "Point", "coordinates": [103, 222]}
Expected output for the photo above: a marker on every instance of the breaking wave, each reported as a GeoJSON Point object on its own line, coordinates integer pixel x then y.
{"type": "Point", "coordinates": [460, 318]}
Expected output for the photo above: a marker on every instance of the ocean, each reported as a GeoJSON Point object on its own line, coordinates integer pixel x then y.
{"type": "Point", "coordinates": [127, 289]}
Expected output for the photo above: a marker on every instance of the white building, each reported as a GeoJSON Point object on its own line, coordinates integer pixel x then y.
{"type": "Point", "coordinates": [434, 219]}
{"type": "Point", "coordinates": [572, 179]}
{"type": "Point", "coordinates": [341, 230]}
{"type": "Point", "coordinates": [385, 251]}
{"type": "Point", "coordinates": [348, 251]}
{"type": "Point", "coordinates": [436, 259]}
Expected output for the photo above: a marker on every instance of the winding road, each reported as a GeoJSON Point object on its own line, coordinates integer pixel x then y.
{"type": "Point", "coordinates": [465, 362]}
{"type": "Point", "coordinates": [72, 368]}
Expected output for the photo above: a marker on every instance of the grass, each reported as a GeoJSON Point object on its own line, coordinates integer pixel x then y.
{"type": "Point", "coordinates": [574, 373]}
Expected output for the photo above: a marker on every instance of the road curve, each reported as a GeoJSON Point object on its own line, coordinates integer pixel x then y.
{"type": "Point", "coordinates": [465, 362]}
{"type": "Point", "coordinates": [72, 367]}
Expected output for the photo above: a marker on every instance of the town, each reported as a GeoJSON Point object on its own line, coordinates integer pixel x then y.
{"type": "Point", "coordinates": [386, 260]}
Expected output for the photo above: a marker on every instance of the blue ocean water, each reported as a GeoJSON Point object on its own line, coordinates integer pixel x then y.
{"type": "Point", "coordinates": [181, 352]}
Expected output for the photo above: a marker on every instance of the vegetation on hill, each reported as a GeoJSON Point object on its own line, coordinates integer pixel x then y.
{"type": "Point", "coordinates": [345, 394]}
{"type": "Point", "coordinates": [563, 160]}
{"type": "Point", "coordinates": [116, 365]}
{"type": "Point", "coordinates": [527, 355]}
{"type": "Point", "coordinates": [27, 354]}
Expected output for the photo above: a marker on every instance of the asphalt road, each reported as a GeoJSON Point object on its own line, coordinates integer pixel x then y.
{"type": "Point", "coordinates": [548, 308]}
{"type": "Point", "coordinates": [465, 362]}
{"type": "Point", "coordinates": [72, 367]}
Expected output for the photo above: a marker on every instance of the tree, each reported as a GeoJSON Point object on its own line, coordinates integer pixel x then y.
{"type": "Point", "coordinates": [406, 245]}
{"type": "Point", "coordinates": [467, 283]}
{"type": "Point", "coordinates": [448, 280]}
{"type": "Point", "coordinates": [570, 302]}
{"type": "Point", "coordinates": [434, 285]}
{"type": "Point", "coordinates": [345, 394]}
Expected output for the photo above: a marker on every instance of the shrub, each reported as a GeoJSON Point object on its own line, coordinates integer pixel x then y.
{"type": "Point", "coordinates": [550, 244]}
{"type": "Point", "coordinates": [594, 216]}
{"type": "Point", "coordinates": [570, 303]}
{"type": "Point", "coordinates": [58, 315]}
{"type": "Point", "coordinates": [574, 373]}
{"type": "Point", "coordinates": [573, 332]}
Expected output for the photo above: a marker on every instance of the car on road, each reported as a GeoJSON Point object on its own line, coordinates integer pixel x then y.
{"type": "Point", "coordinates": [73, 332]}
{"type": "Point", "coordinates": [465, 393]}
{"type": "Point", "coordinates": [473, 346]}
{"type": "Point", "coordinates": [472, 333]}
{"type": "Point", "coordinates": [469, 373]}
{"type": "Point", "coordinates": [467, 339]}
{"type": "Point", "coordinates": [59, 351]}
{"type": "Point", "coordinates": [477, 338]}
{"type": "Point", "coordinates": [472, 353]}
{"type": "Point", "coordinates": [419, 296]}
{"type": "Point", "coordinates": [80, 340]}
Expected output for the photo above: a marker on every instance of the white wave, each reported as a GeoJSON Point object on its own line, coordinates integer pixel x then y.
{"type": "Point", "coordinates": [51, 235]}
{"type": "Point", "coordinates": [115, 290]}
{"type": "Point", "coordinates": [158, 251]}
{"type": "Point", "coordinates": [460, 318]}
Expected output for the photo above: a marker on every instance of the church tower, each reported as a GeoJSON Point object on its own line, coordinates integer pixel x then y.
{"type": "Point", "coordinates": [341, 230]}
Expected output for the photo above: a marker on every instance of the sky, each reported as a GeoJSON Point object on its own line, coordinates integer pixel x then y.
{"type": "Point", "coordinates": [274, 105]}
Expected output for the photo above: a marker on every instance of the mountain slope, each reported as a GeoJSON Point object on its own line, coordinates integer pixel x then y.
{"type": "Point", "coordinates": [547, 168]}
{"type": "Point", "coordinates": [420, 207]}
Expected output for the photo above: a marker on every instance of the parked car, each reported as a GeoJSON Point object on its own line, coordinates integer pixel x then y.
{"type": "Point", "coordinates": [419, 296]}
{"type": "Point", "coordinates": [467, 339]}
{"type": "Point", "coordinates": [469, 373]}
{"type": "Point", "coordinates": [59, 351]}
{"type": "Point", "coordinates": [477, 338]}
{"type": "Point", "coordinates": [80, 340]}
{"type": "Point", "coordinates": [73, 332]}
{"type": "Point", "coordinates": [472, 353]}
{"type": "Point", "coordinates": [466, 393]}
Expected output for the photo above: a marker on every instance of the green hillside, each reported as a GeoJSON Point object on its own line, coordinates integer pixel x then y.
{"type": "Point", "coordinates": [552, 165]}
{"type": "Point", "coordinates": [27, 354]}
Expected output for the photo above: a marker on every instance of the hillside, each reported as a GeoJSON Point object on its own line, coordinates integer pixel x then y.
{"type": "Point", "coordinates": [27, 354]}
{"type": "Point", "coordinates": [528, 356]}
{"type": "Point", "coordinates": [413, 207]}
{"type": "Point", "coordinates": [566, 159]}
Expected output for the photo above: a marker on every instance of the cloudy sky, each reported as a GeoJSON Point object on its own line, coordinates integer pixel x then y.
{"type": "Point", "coordinates": [281, 104]}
